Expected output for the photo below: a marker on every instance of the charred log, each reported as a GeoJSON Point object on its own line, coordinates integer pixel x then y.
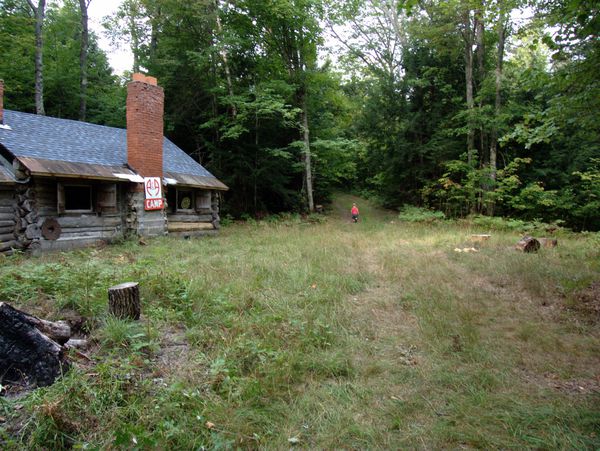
{"type": "Point", "coordinates": [27, 354]}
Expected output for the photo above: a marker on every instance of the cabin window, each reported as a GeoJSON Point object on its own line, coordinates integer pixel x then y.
{"type": "Point", "coordinates": [203, 200]}
{"type": "Point", "coordinates": [185, 200]}
{"type": "Point", "coordinates": [76, 198]}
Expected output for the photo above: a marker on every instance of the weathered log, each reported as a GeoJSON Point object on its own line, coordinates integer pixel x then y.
{"type": "Point", "coordinates": [7, 216]}
{"type": "Point", "coordinates": [480, 237]}
{"type": "Point", "coordinates": [26, 354]}
{"type": "Point", "coordinates": [7, 237]}
{"type": "Point", "coordinates": [124, 300]}
{"type": "Point", "coordinates": [4, 230]}
{"type": "Point", "coordinates": [76, 343]}
{"type": "Point", "coordinates": [7, 245]}
{"type": "Point", "coordinates": [27, 205]}
{"type": "Point", "coordinates": [528, 244]}
{"type": "Point", "coordinates": [548, 242]}
{"type": "Point", "coordinates": [190, 218]}
{"type": "Point", "coordinates": [32, 231]}
{"type": "Point", "coordinates": [189, 226]}
{"type": "Point", "coordinates": [32, 217]}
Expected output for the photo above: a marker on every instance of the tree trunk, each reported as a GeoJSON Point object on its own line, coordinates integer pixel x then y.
{"type": "Point", "coordinates": [225, 59]}
{"type": "Point", "coordinates": [498, 102]}
{"type": "Point", "coordinates": [135, 41]}
{"type": "Point", "coordinates": [468, 38]}
{"type": "Point", "coordinates": [124, 301]}
{"type": "Point", "coordinates": [83, 54]}
{"type": "Point", "coordinates": [480, 52]}
{"type": "Point", "coordinates": [39, 12]}
{"type": "Point", "coordinates": [27, 354]}
{"type": "Point", "coordinates": [307, 156]}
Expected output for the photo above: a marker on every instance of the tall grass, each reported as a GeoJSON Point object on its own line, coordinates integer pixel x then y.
{"type": "Point", "coordinates": [331, 335]}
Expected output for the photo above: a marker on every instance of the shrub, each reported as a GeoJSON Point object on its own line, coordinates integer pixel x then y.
{"type": "Point", "coordinates": [416, 214]}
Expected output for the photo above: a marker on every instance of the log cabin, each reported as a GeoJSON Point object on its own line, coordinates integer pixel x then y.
{"type": "Point", "coordinates": [66, 184]}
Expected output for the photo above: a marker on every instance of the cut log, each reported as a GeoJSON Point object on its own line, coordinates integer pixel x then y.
{"type": "Point", "coordinates": [548, 242]}
{"type": "Point", "coordinates": [26, 354]}
{"type": "Point", "coordinates": [124, 300]}
{"type": "Point", "coordinates": [528, 244]}
{"type": "Point", "coordinates": [480, 237]}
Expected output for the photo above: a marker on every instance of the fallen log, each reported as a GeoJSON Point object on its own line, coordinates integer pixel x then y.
{"type": "Point", "coordinates": [28, 355]}
{"type": "Point", "coordinates": [528, 244]}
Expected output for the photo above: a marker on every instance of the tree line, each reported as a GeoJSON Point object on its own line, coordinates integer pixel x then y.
{"type": "Point", "coordinates": [464, 106]}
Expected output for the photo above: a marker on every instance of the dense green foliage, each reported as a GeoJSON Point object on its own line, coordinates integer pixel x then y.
{"type": "Point", "coordinates": [383, 86]}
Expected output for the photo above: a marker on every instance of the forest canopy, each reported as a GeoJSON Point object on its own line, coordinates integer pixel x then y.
{"type": "Point", "coordinates": [462, 106]}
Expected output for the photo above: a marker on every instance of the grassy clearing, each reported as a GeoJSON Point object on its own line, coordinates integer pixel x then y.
{"type": "Point", "coordinates": [334, 335]}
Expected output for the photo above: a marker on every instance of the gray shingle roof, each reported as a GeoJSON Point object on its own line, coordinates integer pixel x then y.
{"type": "Point", "coordinates": [80, 142]}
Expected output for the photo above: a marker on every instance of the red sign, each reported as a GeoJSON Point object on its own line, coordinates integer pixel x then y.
{"type": "Point", "coordinates": [153, 204]}
{"type": "Point", "coordinates": [153, 191]}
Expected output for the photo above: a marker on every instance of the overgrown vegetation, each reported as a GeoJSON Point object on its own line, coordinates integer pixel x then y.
{"type": "Point", "coordinates": [330, 335]}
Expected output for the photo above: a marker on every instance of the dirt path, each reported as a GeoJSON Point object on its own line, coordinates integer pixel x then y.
{"type": "Point", "coordinates": [369, 213]}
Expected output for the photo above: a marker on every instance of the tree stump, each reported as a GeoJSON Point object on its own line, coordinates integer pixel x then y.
{"type": "Point", "coordinates": [528, 244]}
{"type": "Point", "coordinates": [124, 300]}
{"type": "Point", "coordinates": [27, 355]}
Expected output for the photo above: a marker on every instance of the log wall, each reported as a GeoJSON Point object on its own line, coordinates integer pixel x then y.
{"type": "Point", "coordinates": [194, 223]}
{"type": "Point", "coordinates": [25, 207]}
{"type": "Point", "coordinates": [8, 237]}
{"type": "Point", "coordinates": [77, 229]}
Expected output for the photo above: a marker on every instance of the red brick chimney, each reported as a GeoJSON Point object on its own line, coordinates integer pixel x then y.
{"type": "Point", "coordinates": [1, 101]}
{"type": "Point", "coordinates": [145, 103]}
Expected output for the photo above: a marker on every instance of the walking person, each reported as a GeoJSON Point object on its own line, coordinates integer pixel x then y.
{"type": "Point", "coordinates": [354, 212]}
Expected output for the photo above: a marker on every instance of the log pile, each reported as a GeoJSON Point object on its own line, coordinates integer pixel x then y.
{"type": "Point", "coordinates": [31, 351]}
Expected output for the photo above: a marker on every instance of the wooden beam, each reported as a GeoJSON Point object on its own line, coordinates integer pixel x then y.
{"type": "Point", "coordinates": [189, 226]}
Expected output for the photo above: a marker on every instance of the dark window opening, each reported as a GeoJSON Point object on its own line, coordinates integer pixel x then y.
{"type": "Point", "coordinates": [78, 198]}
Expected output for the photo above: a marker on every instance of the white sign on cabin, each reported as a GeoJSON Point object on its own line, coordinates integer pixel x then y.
{"type": "Point", "coordinates": [153, 191]}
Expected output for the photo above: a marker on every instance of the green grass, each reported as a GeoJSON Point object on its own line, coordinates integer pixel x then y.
{"type": "Point", "coordinates": [333, 334]}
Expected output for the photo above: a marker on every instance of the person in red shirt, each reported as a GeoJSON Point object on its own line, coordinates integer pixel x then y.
{"type": "Point", "coordinates": [354, 212]}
